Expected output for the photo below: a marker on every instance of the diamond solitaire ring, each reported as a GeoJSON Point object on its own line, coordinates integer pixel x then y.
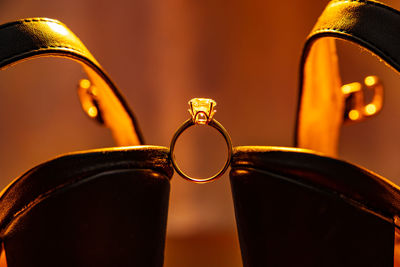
{"type": "Point", "coordinates": [202, 111]}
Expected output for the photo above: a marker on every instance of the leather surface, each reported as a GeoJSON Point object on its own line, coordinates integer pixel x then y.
{"type": "Point", "coordinates": [42, 37]}
{"type": "Point", "coordinates": [350, 182]}
{"type": "Point", "coordinates": [71, 168]}
{"type": "Point", "coordinates": [295, 207]}
{"type": "Point", "coordinates": [103, 207]}
{"type": "Point", "coordinates": [368, 24]}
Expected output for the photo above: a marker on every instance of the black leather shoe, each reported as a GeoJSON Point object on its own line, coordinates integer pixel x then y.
{"type": "Point", "coordinates": [105, 207]}
{"type": "Point", "coordinates": [297, 207]}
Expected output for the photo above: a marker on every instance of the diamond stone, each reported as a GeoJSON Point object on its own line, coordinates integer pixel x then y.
{"type": "Point", "coordinates": [201, 118]}
{"type": "Point", "coordinates": [202, 110]}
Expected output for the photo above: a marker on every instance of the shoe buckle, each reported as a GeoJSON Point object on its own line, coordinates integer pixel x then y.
{"type": "Point", "coordinates": [356, 109]}
{"type": "Point", "coordinates": [89, 101]}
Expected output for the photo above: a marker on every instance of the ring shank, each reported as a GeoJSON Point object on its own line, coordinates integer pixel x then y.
{"type": "Point", "coordinates": [216, 125]}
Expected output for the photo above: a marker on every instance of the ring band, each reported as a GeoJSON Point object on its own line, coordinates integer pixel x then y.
{"type": "Point", "coordinates": [202, 111]}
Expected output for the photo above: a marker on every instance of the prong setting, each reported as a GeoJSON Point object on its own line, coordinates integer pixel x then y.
{"type": "Point", "coordinates": [202, 110]}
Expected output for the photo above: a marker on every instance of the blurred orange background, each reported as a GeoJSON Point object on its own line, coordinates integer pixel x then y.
{"type": "Point", "coordinates": [243, 54]}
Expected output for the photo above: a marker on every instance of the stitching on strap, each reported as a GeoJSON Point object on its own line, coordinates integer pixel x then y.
{"type": "Point", "coordinates": [334, 30]}
{"type": "Point", "coordinates": [11, 24]}
{"type": "Point", "coordinates": [366, 2]}
{"type": "Point", "coordinates": [377, 4]}
{"type": "Point", "coordinates": [49, 47]}
{"type": "Point", "coordinates": [38, 20]}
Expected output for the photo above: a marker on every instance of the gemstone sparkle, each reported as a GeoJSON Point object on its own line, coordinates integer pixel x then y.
{"type": "Point", "coordinates": [202, 110]}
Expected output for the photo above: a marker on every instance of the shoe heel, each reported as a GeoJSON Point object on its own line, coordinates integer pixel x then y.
{"type": "Point", "coordinates": [101, 215]}
{"type": "Point", "coordinates": [284, 219]}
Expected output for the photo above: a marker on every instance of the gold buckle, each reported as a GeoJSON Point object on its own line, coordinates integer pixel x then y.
{"type": "Point", "coordinates": [88, 98]}
{"type": "Point", "coordinates": [356, 109]}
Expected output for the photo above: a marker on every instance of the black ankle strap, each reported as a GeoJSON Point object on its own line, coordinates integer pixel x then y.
{"type": "Point", "coordinates": [369, 24]}
{"type": "Point", "coordinates": [42, 37]}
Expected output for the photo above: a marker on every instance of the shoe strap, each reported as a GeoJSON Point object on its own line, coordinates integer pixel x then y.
{"type": "Point", "coordinates": [368, 24]}
{"type": "Point", "coordinates": [41, 37]}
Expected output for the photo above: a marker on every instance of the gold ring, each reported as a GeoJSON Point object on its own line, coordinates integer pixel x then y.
{"type": "Point", "coordinates": [202, 111]}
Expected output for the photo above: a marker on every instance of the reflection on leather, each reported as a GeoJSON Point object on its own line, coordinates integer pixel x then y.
{"type": "Point", "coordinates": [42, 37]}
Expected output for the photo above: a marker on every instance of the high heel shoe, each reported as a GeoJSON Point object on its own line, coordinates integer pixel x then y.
{"type": "Point", "coordinates": [104, 207]}
{"type": "Point", "coordinates": [298, 207]}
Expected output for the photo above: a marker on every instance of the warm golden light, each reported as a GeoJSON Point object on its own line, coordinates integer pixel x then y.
{"type": "Point", "coordinates": [370, 81]}
{"type": "Point", "coordinates": [354, 115]}
{"type": "Point", "coordinates": [92, 112]}
{"type": "Point", "coordinates": [351, 87]}
{"type": "Point", "coordinates": [84, 83]}
{"type": "Point", "coordinates": [346, 89]}
{"type": "Point", "coordinates": [3, 259]}
{"type": "Point", "coordinates": [202, 110]}
{"type": "Point", "coordinates": [58, 28]}
{"type": "Point", "coordinates": [370, 109]}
